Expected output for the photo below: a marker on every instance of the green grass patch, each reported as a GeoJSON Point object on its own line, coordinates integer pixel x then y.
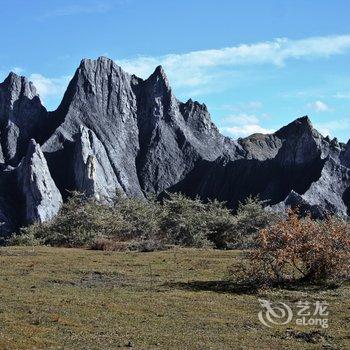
{"type": "Point", "coordinates": [58, 298]}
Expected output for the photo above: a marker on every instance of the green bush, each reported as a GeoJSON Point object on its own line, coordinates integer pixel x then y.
{"type": "Point", "coordinates": [250, 218]}
{"type": "Point", "coordinates": [83, 222]}
{"type": "Point", "coordinates": [220, 223]}
{"type": "Point", "coordinates": [77, 224]}
{"type": "Point", "coordinates": [26, 237]}
{"type": "Point", "coordinates": [191, 222]}
{"type": "Point", "coordinates": [183, 222]}
{"type": "Point", "coordinates": [140, 218]}
{"type": "Point", "coordinates": [179, 220]}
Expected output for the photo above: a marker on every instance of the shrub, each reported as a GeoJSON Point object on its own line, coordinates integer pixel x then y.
{"type": "Point", "coordinates": [295, 249]}
{"type": "Point", "coordinates": [77, 224]}
{"type": "Point", "coordinates": [183, 221]}
{"type": "Point", "coordinates": [83, 222]}
{"type": "Point", "coordinates": [26, 237]}
{"type": "Point", "coordinates": [140, 219]}
{"type": "Point", "coordinates": [220, 223]}
{"type": "Point", "coordinates": [191, 222]}
{"type": "Point", "coordinates": [250, 218]}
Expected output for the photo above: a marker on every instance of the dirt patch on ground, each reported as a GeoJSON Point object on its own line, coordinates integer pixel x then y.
{"type": "Point", "coordinates": [96, 279]}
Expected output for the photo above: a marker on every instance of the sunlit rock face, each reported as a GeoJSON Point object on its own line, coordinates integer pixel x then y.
{"type": "Point", "coordinates": [42, 199]}
{"type": "Point", "coordinates": [93, 172]}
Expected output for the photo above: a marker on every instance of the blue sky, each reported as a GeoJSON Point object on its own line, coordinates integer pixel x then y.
{"type": "Point", "coordinates": [257, 65]}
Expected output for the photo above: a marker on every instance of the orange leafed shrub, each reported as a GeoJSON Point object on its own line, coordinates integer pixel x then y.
{"type": "Point", "coordinates": [300, 249]}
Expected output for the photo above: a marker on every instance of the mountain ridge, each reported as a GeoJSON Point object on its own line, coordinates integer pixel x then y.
{"type": "Point", "coordinates": [113, 130]}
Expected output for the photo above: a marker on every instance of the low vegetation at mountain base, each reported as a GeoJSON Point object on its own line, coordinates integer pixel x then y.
{"type": "Point", "coordinates": [283, 249]}
{"type": "Point", "coordinates": [129, 223]}
{"type": "Point", "coordinates": [177, 295]}
{"type": "Point", "coordinates": [68, 298]}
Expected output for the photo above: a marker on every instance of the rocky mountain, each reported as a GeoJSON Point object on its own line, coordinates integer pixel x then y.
{"type": "Point", "coordinates": [114, 131]}
{"type": "Point", "coordinates": [22, 117]}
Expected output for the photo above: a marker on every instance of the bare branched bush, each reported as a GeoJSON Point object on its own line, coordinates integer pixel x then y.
{"type": "Point", "coordinates": [298, 249]}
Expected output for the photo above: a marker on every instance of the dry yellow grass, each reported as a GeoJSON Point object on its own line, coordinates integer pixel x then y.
{"type": "Point", "coordinates": [55, 298]}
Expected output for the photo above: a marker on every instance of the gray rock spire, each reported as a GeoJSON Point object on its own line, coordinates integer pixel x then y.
{"type": "Point", "coordinates": [42, 198]}
{"type": "Point", "coordinates": [21, 117]}
{"type": "Point", "coordinates": [93, 171]}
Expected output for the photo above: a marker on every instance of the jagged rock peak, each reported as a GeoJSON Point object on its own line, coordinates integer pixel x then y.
{"type": "Point", "coordinates": [195, 104]}
{"type": "Point", "coordinates": [159, 78]}
{"type": "Point", "coordinates": [42, 198]}
{"type": "Point", "coordinates": [345, 157]}
{"type": "Point", "coordinates": [299, 125]}
{"type": "Point", "coordinates": [102, 60]}
{"type": "Point", "coordinates": [102, 66]}
{"type": "Point", "coordinates": [100, 78]}
{"type": "Point", "coordinates": [159, 71]}
{"type": "Point", "coordinates": [304, 121]}
{"type": "Point", "coordinates": [21, 117]}
{"type": "Point", "coordinates": [16, 85]}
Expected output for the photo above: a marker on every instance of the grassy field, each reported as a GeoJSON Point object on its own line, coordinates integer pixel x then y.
{"type": "Point", "coordinates": [55, 298]}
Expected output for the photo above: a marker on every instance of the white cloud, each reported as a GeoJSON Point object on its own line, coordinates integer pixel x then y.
{"type": "Point", "coordinates": [245, 130]}
{"type": "Point", "coordinates": [342, 95]}
{"type": "Point", "coordinates": [332, 127]}
{"type": "Point", "coordinates": [319, 106]}
{"type": "Point", "coordinates": [241, 125]}
{"type": "Point", "coordinates": [49, 87]}
{"type": "Point", "coordinates": [196, 68]}
{"type": "Point", "coordinates": [17, 70]}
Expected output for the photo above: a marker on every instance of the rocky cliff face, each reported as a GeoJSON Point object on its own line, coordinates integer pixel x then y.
{"type": "Point", "coordinates": [101, 98]}
{"type": "Point", "coordinates": [93, 172]}
{"type": "Point", "coordinates": [42, 200]}
{"type": "Point", "coordinates": [22, 117]}
{"type": "Point", "coordinates": [150, 138]}
{"type": "Point", "coordinates": [116, 132]}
